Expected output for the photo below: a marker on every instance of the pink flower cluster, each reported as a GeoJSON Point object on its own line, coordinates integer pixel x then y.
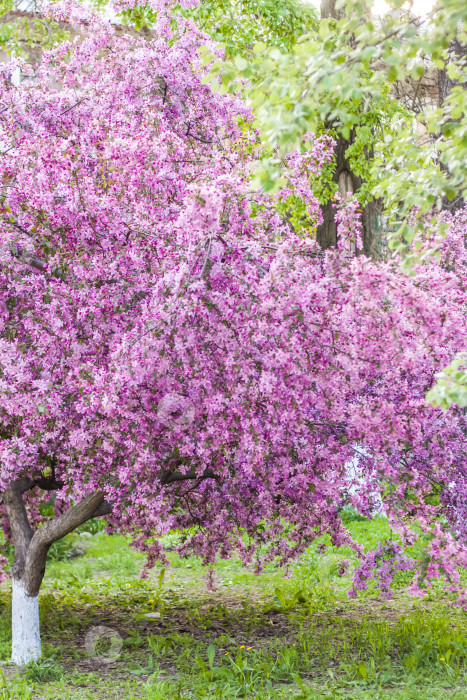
{"type": "Point", "coordinates": [381, 565]}
{"type": "Point", "coordinates": [3, 568]}
{"type": "Point", "coordinates": [168, 338]}
{"type": "Point", "coordinates": [349, 226]}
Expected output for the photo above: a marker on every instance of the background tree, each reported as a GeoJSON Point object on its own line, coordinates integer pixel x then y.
{"type": "Point", "coordinates": [24, 31]}
{"type": "Point", "coordinates": [355, 134]}
{"type": "Point", "coordinates": [458, 51]}
{"type": "Point", "coordinates": [341, 76]}
{"type": "Point", "coordinates": [239, 25]}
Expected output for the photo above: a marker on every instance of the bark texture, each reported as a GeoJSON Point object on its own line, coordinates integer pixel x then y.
{"type": "Point", "coordinates": [26, 635]}
{"type": "Point", "coordinates": [21, 530]}
{"type": "Point", "coordinates": [51, 532]}
{"type": "Point", "coordinates": [346, 181]}
{"type": "Point", "coordinates": [328, 9]}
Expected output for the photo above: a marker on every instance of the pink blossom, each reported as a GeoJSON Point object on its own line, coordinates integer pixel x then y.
{"type": "Point", "coordinates": [138, 263]}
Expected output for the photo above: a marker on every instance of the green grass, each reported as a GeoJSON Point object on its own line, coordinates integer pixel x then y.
{"type": "Point", "coordinates": [265, 637]}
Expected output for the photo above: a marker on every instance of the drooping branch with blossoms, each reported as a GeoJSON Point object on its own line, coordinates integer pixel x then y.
{"type": "Point", "coordinates": [176, 353]}
{"type": "Point", "coordinates": [349, 222]}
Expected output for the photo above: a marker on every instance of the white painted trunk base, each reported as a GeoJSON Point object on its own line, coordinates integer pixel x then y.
{"type": "Point", "coordinates": [26, 634]}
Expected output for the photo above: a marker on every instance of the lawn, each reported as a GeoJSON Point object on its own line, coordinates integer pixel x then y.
{"type": "Point", "coordinates": [284, 634]}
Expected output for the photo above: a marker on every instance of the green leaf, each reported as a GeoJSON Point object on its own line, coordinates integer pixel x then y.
{"type": "Point", "coordinates": [419, 71]}
{"type": "Point", "coordinates": [324, 30]}
{"type": "Point", "coordinates": [241, 63]}
{"type": "Point", "coordinates": [392, 74]}
{"type": "Point", "coordinates": [275, 53]}
{"type": "Point", "coordinates": [259, 47]}
{"type": "Point", "coordinates": [214, 85]}
{"type": "Point", "coordinates": [211, 652]}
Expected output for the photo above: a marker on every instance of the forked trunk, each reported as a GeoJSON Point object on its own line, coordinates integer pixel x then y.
{"type": "Point", "coordinates": [25, 628]}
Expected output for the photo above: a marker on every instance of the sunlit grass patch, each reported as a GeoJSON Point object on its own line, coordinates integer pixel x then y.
{"type": "Point", "coordinates": [268, 637]}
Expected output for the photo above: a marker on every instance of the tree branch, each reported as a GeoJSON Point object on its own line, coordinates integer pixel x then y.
{"type": "Point", "coordinates": [34, 262]}
{"type": "Point", "coordinates": [206, 260]}
{"type": "Point", "coordinates": [52, 531]}
{"type": "Point", "coordinates": [190, 475]}
{"type": "Point", "coordinates": [72, 107]}
{"type": "Point", "coordinates": [106, 508]}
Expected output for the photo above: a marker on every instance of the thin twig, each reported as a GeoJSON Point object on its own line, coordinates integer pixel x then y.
{"type": "Point", "coordinates": [72, 107]}
{"type": "Point", "coordinates": [206, 259]}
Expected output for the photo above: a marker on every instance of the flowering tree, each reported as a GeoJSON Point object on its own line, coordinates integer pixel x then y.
{"type": "Point", "coordinates": [177, 352]}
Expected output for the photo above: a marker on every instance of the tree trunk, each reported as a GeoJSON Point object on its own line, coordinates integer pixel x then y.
{"type": "Point", "coordinates": [30, 556]}
{"type": "Point", "coordinates": [328, 9]}
{"type": "Point", "coordinates": [25, 629]}
{"type": "Point", "coordinates": [346, 181]}
{"type": "Point", "coordinates": [343, 176]}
